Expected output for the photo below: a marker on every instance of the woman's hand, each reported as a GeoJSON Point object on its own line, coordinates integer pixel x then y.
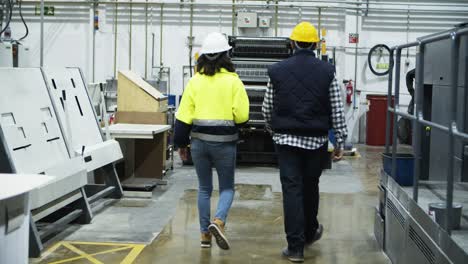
{"type": "Point", "coordinates": [183, 153]}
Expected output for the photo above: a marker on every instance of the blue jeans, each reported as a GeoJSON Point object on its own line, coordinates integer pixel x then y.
{"type": "Point", "coordinates": [222, 156]}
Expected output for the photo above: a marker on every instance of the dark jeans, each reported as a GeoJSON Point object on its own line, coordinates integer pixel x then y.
{"type": "Point", "coordinates": [300, 170]}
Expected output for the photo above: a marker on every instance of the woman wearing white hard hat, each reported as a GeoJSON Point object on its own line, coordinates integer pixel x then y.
{"type": "Point", "coordinates": [213, 105]}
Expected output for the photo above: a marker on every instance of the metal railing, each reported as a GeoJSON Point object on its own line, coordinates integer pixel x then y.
{"type": "Point", "coordinates": [418, 118]}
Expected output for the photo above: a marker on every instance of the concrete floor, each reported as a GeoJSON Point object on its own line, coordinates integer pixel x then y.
{"type": "Point", "coordinates": [168, 222]}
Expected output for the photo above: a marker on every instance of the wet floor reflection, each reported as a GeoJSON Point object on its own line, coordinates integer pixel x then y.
{"type": "Point", "coordinates": [255, 230]}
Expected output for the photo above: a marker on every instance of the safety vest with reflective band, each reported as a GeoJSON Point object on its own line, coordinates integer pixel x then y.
{"type": "Point", "coordinates": [211, 108]}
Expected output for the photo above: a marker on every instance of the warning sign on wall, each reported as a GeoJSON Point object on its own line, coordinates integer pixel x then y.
{"type": "Point", "coordinates": [353, 38]}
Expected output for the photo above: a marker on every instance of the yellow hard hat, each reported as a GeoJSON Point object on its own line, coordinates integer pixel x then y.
{"type": "Point", "coordinates": [305, 32]}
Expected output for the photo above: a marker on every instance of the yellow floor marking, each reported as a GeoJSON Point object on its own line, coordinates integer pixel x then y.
{"type": "Point", "coordinates": [94, 254]}
{"type": "Point", "coordinates": [50, 250]}
{"type": "Point", "coordinates": [82, 253]}
{"type": "Point", "coordinates": [135, 250]}
{"type": "Point", "coordinates": [130, 258]}
{"type": "Point", "coordinates": [102, 244]}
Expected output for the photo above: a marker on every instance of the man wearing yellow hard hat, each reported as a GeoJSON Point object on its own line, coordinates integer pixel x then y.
{"type": "Point", "coordinates": [302, 103]}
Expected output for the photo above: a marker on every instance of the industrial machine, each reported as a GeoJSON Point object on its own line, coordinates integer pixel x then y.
{"type": "Point", "coordinates": [406, 227]}
{"type": "Point", "coordinates": [437, 81]}
{"type": "Point", "coordinates": [251, 57]}
{"type": "Point", "coordinates": [53, 131]}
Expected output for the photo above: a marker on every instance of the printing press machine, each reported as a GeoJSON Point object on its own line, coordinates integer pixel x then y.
{"type": "Point", "coordinates": [251, 57]}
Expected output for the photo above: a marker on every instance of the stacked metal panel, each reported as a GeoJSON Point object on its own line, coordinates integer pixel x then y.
{"type": "Point", "coordinates": [78, 119]}
{"type": "Point", "coordinates": [31, 135]}
{"type": "Point", "coordinates": [48, 126]}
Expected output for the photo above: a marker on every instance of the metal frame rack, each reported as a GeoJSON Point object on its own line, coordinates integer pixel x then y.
{"type": "Point", "coordinates": [403, 228]}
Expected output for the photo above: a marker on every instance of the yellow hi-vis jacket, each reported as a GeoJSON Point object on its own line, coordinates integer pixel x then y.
{"type": "Point", "coordinates": [211, 107]}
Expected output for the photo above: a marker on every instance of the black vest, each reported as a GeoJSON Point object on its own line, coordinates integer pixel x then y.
{"type": "Point", "coordinates": [301, 101]}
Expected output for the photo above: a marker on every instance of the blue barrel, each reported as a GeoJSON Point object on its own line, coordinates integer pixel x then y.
{"type": "Point", "coordinates": [405, 167]}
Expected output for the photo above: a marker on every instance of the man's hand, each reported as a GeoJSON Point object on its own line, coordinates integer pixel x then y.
{"type": "Point", "coordinates": [183, 153]}
{"type": "Point", "coordinates": [268, 129]}
{"type": "Point", "coordinates": [338, 154]}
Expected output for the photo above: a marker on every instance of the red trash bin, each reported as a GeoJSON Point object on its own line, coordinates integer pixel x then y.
{"type": "Point", "coordinates": [377, 120]}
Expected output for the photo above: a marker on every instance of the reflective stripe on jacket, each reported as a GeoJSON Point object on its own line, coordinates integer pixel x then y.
{"type": "Point", "coordinates": [211, 108]}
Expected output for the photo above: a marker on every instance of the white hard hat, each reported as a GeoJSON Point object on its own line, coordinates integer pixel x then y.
{"type": "Point", "coordinates": [214, 43]}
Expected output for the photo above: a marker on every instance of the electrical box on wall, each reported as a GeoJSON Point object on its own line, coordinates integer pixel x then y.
{"type": "Point", "coordinates": [6, 54]}
{"type": "Point", "coordinates": [247, 20]}
{"type": "Point", "coordinates": [264, 22]}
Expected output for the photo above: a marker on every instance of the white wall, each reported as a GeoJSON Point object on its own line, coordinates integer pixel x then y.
{"type": "Point", "coordinates": [68, 37]}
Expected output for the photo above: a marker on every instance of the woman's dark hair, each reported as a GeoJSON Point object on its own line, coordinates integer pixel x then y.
{"type": "Point", "coordinates": [211, 67]}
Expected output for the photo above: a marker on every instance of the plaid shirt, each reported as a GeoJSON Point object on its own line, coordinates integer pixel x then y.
{"type": "Point", "coordinates": [337, 118]}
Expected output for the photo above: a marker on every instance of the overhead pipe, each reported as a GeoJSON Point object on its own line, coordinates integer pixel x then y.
{"type": "Point", "coordinates": [42, 35]}
{"type": "Point", "coordinates": [233, 17]}
{"type": "Point", "coordinates": [146, 40]}
{"type": "Point", "coordinates": [284, 3]}
{"type": "Point", "coordinates": [161, 19]}
{"type": "Point", "coordinates": [130, 38]}
{"type": "Point", "coordinates": [356, 62]}
{"type": "Point", "coordinates": [220, 19]}
{"type": "Point", "coordinates": [309, 4]}
{"type": "Point", "coordinates": [190, 43]}
{"type": "Point", "coordinates": [378, 3]}
{"type": "Point", "coordinates": [319, 31]}
{"type": "Point", "coordinates": [153, 36]}
{"type": "Point", "coordinates": [276, 17]}
{"type": "Point", "coordinates": [152, 52]}
{"type": "Point", "coordinates": [366, 12]}
{"type": "Point", "coordinates": [94, 44]}
{"type": "Point", "coordinates": [115, 37]}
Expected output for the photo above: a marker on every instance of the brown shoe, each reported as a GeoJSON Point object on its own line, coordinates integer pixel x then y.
{"type": "Point", "coordinates": [205, 241]}
{"type": "Point", "coordinates": [217, 230]}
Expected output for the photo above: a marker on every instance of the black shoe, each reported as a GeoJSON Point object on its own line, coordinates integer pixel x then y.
{"type": "Point", "coordinates": [317, 236]}
{"type": "Point", "coordinates": [293, 256]}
